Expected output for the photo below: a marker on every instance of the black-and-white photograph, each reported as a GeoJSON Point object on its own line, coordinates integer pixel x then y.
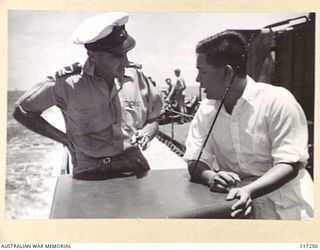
{"type": "Point", "coordinates": [161, 115]}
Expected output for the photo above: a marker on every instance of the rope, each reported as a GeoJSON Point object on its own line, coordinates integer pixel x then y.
{"type": "Point", "coordinates": [170, 145]}
{"type": "Point", "coordinates": [176, 112]}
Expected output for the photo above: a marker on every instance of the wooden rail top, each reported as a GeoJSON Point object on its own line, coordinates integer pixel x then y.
{"type": "Point", "coordinates": [161, 194]}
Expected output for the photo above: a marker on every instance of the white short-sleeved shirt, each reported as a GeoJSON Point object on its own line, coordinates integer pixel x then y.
{"type": "Point", "coordinates": [267, 126]}
{"type": "Point", "coordinates": [99, 121]}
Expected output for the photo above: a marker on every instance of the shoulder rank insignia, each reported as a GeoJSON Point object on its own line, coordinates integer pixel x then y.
{"type": "Point", "coordinates": [134, 65]}
{"type": "Point", "coordinates": [75, 68]}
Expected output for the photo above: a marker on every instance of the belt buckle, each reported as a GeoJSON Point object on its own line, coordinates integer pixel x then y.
{"type": "Point", "coordinates": [106, 160]}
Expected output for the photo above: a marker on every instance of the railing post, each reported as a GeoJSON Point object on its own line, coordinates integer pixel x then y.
{"type": "Point", "coordinates": [172, 127]}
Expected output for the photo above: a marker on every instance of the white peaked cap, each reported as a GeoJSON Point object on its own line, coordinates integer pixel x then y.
{"type": "Point", "coordinates": [98, 27]}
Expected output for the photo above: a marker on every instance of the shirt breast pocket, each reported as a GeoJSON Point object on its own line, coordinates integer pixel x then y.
{"type": "Point", "coordinates": [93, 119]}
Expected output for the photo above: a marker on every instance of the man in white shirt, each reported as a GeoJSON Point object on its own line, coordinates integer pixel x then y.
{"type": "Point", "coordinates": [261, 133]}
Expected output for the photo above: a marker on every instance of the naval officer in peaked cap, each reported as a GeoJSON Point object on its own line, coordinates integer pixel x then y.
{"type": "Point", "coordinates": [105, 32]}
{"type": "Point", "coordinates": [110, 112]}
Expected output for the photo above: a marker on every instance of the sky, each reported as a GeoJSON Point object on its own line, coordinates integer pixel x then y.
{"type": "Point", "coordinates": [39, 42]}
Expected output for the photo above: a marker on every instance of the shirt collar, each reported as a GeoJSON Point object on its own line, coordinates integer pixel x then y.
{"type": "Point", "coordinates": [250, 91]}
{"type": "Point", "coordinates": [248, 94]}
{"type": "Point", "coordinates": [88, 67]}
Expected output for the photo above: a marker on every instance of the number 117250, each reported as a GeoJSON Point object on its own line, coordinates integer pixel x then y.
{"type": "Point", "coordinates": [309, 245]}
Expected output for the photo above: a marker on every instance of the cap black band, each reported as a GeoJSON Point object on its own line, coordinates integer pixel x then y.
{"type": "Point", "coordinates": [115, 38]}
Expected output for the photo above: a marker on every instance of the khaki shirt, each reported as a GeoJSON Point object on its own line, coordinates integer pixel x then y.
{"type": "Point", "coordinates": [99, 122]}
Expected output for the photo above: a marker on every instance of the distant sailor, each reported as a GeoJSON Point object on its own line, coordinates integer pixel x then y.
{"type": "Point", "coordinates": [110, 112]}
{"type": "Point", "coordinates": [177, 94]}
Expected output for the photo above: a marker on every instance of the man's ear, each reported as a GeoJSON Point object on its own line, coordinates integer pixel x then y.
{"type": "Point", "coordinates": [229, 71]}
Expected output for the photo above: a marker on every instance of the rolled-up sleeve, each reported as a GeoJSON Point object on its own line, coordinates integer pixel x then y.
{"type": "Point", "coordinates": [41, 96]}
{"type": "Point", "coordinates": [151, 95]}
{"type": "Point", "coordinates": [195, 140]}
{"type": "Point", "coordinates": [288, 130]}
{"type": "Point", "coordinates": [154, 103]}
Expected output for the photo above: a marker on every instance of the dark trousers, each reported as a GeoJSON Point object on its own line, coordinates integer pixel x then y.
{"type": "Point", "coordinates": [130, 162]}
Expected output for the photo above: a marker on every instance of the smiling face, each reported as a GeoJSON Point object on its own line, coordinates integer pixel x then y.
{"type": "Point", "coordinates": [211, 78]}
{"type": "Point", "coordinates": [110, 65]}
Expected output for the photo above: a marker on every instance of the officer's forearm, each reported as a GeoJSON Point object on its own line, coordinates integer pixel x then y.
{"type": "Point", "coordinates": [151, 128]}
{"type": "Point", "coordinates": [40, 126]}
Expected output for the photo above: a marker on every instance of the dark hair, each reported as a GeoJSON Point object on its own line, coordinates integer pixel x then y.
{"type": "Point", "coordinates": [225, 48]}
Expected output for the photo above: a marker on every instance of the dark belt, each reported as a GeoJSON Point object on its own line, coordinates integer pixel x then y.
{"type": "Point", "coordinates": [130, 161]}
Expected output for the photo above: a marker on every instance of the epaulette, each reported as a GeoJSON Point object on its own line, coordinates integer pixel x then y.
{"type": "Point", "coordinates": [134, 65]}
{"type": "Point", "coordinates": [72, 69]}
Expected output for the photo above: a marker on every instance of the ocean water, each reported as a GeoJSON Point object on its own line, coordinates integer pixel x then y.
{"type": "Point", "coordinates": [33, 164]}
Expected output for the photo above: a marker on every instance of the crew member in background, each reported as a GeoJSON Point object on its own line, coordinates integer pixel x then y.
{"type": "Point", "coordinates": [261, 132]}
{"type": "Point", "coordinates": [169, 85]}
{"type": "Point", "coordinates": [109, 113]}
{"type": "Point", "coordinates": [177, 93]}
{"type": "Point", "coordinates": [152, 81]}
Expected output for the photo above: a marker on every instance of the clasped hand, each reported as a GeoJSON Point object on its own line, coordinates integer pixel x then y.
{"type": "Point", "coordinates": [225, 182]}
{"type": "Point", "coordinates": [141, 139]}
{"type": "Point", "coordinates": [243, 206]}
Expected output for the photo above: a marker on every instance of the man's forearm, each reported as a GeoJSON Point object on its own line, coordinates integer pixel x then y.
{"type": "Point", "coordinates": [183, 85]}
{"type": "Point", "coordinates": [276, 177]}
{"type": "Point", "coordinates": [151, 128]}
{"type": "Point", "coordinates": [200, 173]}
{"type": "Point", "coordinates": [173, 88]}
{"type": "Point", "coordinates": [40, 126]}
